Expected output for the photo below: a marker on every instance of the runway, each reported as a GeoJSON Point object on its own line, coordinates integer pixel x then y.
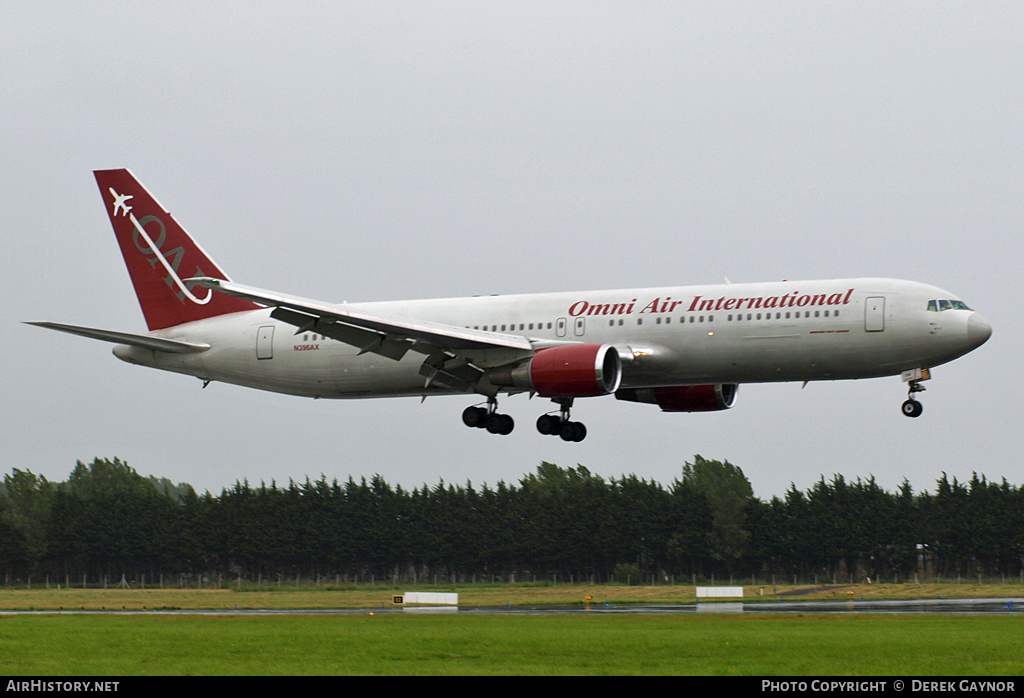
{"type": "Point", "coordinates": [995, 606]}
{"type": "Point", "coordinates": [1001, 606]}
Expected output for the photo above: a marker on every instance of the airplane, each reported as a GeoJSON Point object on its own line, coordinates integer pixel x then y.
{"type": "Point", "coordinates": [682, 348]}
{"type": "Point", "coordinates": [120, 202]}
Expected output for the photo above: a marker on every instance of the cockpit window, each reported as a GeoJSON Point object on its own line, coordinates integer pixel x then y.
{"type": "Point", "coordinates": [943, 304]}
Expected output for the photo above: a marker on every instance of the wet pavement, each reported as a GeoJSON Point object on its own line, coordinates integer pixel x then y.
{"type": "Point", "coordinates": [1000, 606]}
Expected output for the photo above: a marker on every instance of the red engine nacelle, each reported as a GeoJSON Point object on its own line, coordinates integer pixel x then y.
{"type": "Point", "coordinates": [569, 370]}
{"type": "Point", "coordinates": [684, 398]}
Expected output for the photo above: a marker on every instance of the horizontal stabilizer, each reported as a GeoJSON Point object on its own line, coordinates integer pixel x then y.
{"type": "Point", "coordinates": [174, 346]}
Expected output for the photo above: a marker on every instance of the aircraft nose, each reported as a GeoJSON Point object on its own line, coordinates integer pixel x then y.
{"type": "Point", "coordinates": [978, 330]}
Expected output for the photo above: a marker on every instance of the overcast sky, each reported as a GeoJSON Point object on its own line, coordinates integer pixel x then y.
{"type": "Point", "coordinates": [378, 151]}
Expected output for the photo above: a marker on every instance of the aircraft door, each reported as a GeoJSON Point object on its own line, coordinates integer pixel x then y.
{"type": "Point", "coordinates": [874, 314]}
{"type": "Point", "coordinates": [560, 325]}
{"type": "Point", "coordinates": [581, 326]}
{"type": "Point", "coordinates": [265, 342]}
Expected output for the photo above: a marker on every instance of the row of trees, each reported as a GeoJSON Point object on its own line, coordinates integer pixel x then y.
{"type": "Point", "coordinates": [106, 521]}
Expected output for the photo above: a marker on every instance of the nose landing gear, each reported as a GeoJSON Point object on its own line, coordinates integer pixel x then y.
{"type": "Point", "coordinates": [911, 407]}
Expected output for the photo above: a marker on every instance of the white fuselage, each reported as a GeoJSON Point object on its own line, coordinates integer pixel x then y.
{"type": "Point", "coordinates": [690, 335]}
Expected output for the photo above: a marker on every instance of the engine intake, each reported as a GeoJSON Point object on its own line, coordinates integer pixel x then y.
{"type": "Point", "coordinates": [565, 371]}
{"type": "Point", "coordinates": [684, 398]}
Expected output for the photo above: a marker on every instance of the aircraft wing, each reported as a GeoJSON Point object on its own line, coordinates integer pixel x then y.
{"type": "Point", "coordinates": [174, 346]}
{"type": "Point", "coordinates": [450, 351]}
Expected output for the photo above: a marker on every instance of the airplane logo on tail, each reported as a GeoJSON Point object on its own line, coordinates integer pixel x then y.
{"type": "Point", "coordinates": [119, 201]}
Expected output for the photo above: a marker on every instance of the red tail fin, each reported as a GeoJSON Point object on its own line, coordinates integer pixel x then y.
{"type": "Point", "coordinates": [159, 255]}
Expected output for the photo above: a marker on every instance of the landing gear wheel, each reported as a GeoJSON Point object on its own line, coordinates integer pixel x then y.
{"type": "Point", "coordinates": [912, 408]}
{"type": "Point", "coordinates": [500, 424]}
{"type": "Point", "coordinates": [474, 416]}
{"type": "Point", "coordinates": [548, 424]}
{"type": "Point", "coordinates": [572, 431]}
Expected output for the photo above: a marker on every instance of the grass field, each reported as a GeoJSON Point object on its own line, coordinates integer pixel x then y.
{"type": "Point", "coordinates": [393, 644]}
{"type": "Point", "coordinates": [494, 644]}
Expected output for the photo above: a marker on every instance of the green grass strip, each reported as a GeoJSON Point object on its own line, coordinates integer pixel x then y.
{"type": "Point", "coordinates": [403, 644]}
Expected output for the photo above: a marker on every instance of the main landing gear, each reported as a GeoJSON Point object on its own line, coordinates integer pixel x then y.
{"type": "Point", "coordinates": [488, 418]}
{"type": "Point", "coordinates": [560, 425]}
{"type": "Point", "coordinates": [913, 408]}
{"type": "Point", "coordinates": [556, 425]}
